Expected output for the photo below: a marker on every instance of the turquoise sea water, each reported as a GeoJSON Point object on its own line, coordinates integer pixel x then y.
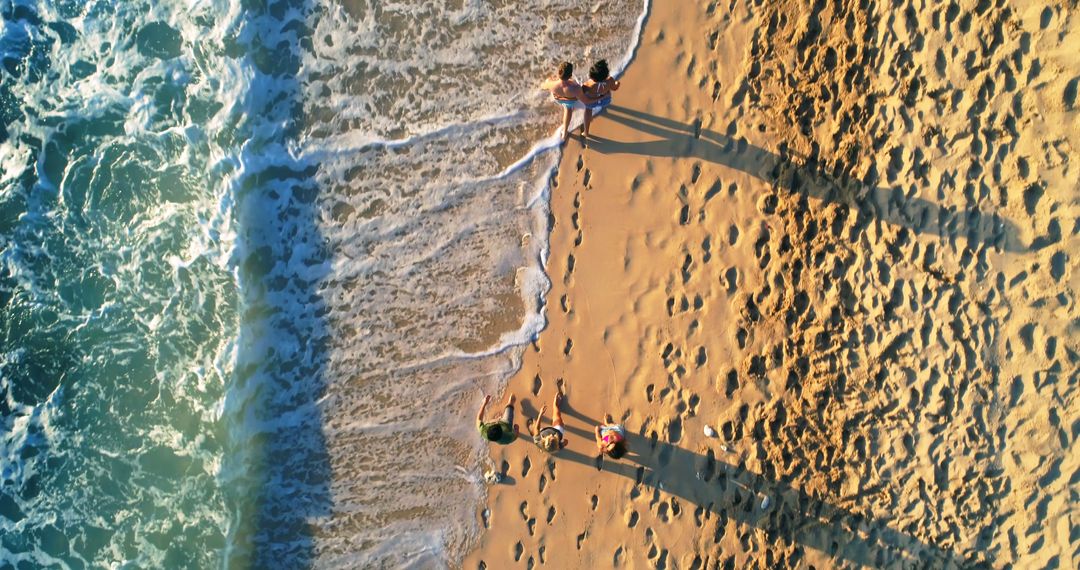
{"type": "Point", "coordinates": [229, 233]}
{"type": "Point", "coordinates": [119, 308]}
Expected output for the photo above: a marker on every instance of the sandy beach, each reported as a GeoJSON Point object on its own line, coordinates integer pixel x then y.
{"type": "Point", "coordinates": [842, 235]}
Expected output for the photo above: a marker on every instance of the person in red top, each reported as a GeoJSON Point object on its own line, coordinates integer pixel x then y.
{"type": "Point", "coordinates": [611, 438]}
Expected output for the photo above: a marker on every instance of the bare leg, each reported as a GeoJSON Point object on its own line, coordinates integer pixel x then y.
{"type": "Point", "coordinates": [566, 114]}
{"type": "Point", "coordinates": [588, 121]}
{"type": "Point", "coordinates": [556, 415]}
{"type": "Point", "coordinates": [608, 419]}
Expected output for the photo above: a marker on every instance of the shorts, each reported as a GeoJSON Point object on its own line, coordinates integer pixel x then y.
{"type": "Point", "coordinates": [617, 429]}
{"type": "Point", "coordinates": [543, 432]}
{"type": "Point", "coordinates": [547, 432]}
{"type": "Point", "coordinates": [508, 416]}
{"type": "Point", "coordinates": [569, 103]}
{"type": "Point", "coordinates": [599, 105]}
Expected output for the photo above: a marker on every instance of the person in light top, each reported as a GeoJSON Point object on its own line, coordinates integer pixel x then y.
{"type": "Point", "coordinates": [553, 437]}
{"type": "Point", "coordinates": [598, 91]}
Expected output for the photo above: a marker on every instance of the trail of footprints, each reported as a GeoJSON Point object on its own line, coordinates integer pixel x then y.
{"type": "Point", "coordinates": [548, 474]}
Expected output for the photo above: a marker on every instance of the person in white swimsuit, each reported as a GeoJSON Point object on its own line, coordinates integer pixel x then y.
{"type": "Point", "coordinates": [553, 437]}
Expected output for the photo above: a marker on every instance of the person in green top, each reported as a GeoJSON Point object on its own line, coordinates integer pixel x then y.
{"type": "Point", "coordinates": [502, 430]}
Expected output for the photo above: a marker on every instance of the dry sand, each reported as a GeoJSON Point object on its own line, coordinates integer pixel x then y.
{"type": "Point", "coordinates": [844, 235]}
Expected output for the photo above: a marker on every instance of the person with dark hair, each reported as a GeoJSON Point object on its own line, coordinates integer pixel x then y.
{"type": "Point", "coordinates": [553, 437]}
{"type": "Point", "coordinates": [598, 91]}
{"type": "Point", "coordinates": [611, 438]}
{"type": "Point", "coordinates": [567, 93]}
{"type": "Point", "coordinates": [502, 430]}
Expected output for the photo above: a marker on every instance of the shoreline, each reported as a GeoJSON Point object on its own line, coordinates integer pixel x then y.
{"type": "Point", "coordinates": [854, 359]}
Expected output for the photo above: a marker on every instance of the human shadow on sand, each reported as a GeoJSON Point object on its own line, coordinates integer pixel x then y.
{"type": "Point", "coordinates": [809, 177]}
{"type": "Point", "coordinates": [723, 486]}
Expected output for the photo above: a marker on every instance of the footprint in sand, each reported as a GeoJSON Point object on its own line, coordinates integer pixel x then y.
{"type": "Point", "coordinates": [581, 538]}
{"type": "Point", "coordinates": [731, 280]}
{"type": "Point", "coordinates": [688, 264]}
{"type": "Point", "coordinates": [741, 337]}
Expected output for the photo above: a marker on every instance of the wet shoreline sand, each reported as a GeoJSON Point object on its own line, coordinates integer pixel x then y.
{"type": "Point", "coordinates": [842, 241]}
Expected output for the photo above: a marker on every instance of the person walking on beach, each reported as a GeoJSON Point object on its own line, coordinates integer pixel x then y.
{"type": "Point", "coordinates": [553, 437]}
{"type": "Point", "coordinates": [502, 430]}
{"type": "Point", "coordinates": [610, 438]}
{"type": "Point", "coordinates": [598, 91]}
{"type": "Point", "coordinates": [567, 93]}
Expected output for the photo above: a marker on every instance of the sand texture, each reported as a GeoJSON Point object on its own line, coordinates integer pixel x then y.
{"type": "Point", "coordinates": [843, 234]}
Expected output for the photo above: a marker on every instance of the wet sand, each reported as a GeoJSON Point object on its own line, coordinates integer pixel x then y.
{"type": "Point", "coordinates": [843, 236]}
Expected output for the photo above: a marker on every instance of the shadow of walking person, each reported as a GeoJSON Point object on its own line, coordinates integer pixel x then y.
{"type": "Point", "coordinates": [807, 176]}
{"type": "Point", "coordinates": [785, 513]}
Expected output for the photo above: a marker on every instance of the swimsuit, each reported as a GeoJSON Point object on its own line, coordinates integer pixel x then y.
{"type": "Point", "coordinates": [603, 102]}
{"type": "Point", "coordinates": [568, 103]}
{"type": "Point", "coordinates": [599, 105]}
{"type": "Point", "coordinates": [549, 431]}
{"type": "Point", "coordinates": [615, 432]}
{"type": "Point", "coordinates": [552, 430]}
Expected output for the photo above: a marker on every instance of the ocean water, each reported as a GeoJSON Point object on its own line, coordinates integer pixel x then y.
{"type": "Point", "coordinates": [258, 263]}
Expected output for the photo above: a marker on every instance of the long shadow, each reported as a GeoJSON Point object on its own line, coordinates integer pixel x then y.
{"type": "Point", "coordinates": [809, 177]}
{"type": "Point", "coordinates": [793, 516]}
{"type": "Point", "coordinates": [278, 453]}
